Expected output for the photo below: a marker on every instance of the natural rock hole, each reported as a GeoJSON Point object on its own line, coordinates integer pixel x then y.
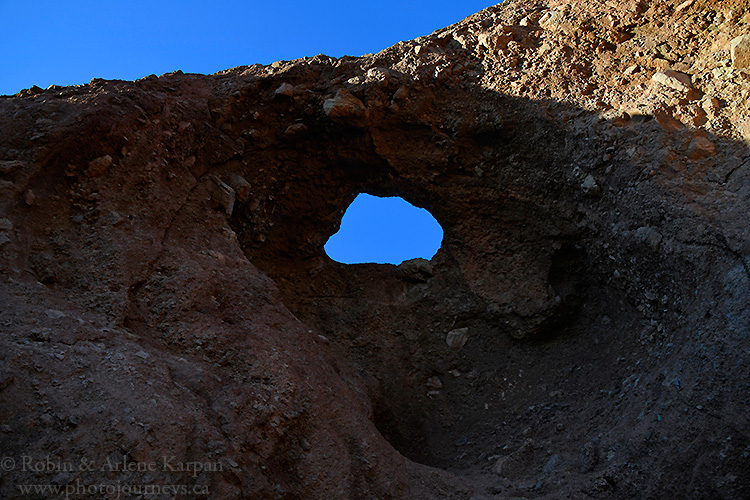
{"type": "Point", "coordinates": [384, 231]}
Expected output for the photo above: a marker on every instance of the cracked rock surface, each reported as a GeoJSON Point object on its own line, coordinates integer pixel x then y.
{"type": "Point", "coordinates": [581, 333]}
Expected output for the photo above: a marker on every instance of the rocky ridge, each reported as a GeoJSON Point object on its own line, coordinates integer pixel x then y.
{"type": "Point", "coordinates": [581, 333]}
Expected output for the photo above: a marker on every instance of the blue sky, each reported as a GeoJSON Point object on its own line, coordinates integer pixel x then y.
{"type": "Point", "coordinates": [384, 230]}
{"type": "Point", "coordinates": [70, 42]}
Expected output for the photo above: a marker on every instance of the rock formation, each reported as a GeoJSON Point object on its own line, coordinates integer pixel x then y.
{"type": "Point", "coordinates": [171, 320]}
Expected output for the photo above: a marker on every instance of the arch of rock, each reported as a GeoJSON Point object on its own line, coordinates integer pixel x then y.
{"type": "Point", "coordinates": [582, 331]}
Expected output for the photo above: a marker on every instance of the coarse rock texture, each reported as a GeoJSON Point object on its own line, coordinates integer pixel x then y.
{"type": "Point", "coordinates": [581, 333]}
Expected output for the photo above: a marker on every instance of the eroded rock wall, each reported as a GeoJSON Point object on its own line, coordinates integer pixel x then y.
{"type": "Point", "coordinates": [168, 294]}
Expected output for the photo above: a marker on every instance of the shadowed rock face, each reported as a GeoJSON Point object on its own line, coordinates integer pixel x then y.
{"type": "Point", "coordinates": [581, 333]}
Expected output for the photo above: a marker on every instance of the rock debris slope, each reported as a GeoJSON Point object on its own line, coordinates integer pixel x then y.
{"type": "Point", "coordinates": [582, 332]}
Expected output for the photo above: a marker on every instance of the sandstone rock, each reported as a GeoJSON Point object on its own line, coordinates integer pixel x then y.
{"type": "Point", "coordinates": [457, 338]}
{"type": "Point", "coordinates": [740, 50]}
{"type": "Point", "coordinates": [345, 108]}
{"type": "Point", "coordinates": [673, 79]}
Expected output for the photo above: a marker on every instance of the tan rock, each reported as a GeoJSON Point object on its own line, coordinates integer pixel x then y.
{"type": "Point", "coordinates": [552, 20]}
{"type": "Point", "coordinates": [684, 6]}
{"type": "Point", "coordinates": [711, 106]}
{"type": "Point", "coordinates": [673, 79]}
{"type": "Point", "coordinates": [740, 49]}
{"type": "Point", "coordinates": [493, 42]}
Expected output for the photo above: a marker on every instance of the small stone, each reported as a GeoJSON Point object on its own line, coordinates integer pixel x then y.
{"type": "Point", "coordinates": [240, 185]}
{"type": "Point", "coordinates": [345, 108]}
{"type": "Point", "coordinates": [457, 338]}
{"type": "Point", "coordinates": [673, 79]}
{"type": "Point", "coordinates": [434, 384]}
{"type": "Point", "coordinates": [5, 225]}
{"type": "Point", "coordinates": [4, 239]}
{"type": "Point", "coordinates": [740, 49]}
{"type": "Point", "coordinates": [493, 43]}
{"type": "Point", "coordinates": [378, 74]}
{"type": "Point", "coordinates": [588, 457]}
{"type": "Point", "coordinates": [29, 198]}
{"type": "Point", "coordinates": [285, 90]}
{"type": "Point", "coordinates": [40, 335]}
{"type": "Point", "coordinates": [711, 106]}
{"type": "Point", "coordinates": [6, 378]}
{"type": "Point", "coordinates": [552, 20]}
{"type": "Point", "coordinates": [699, 148]}
{"type": "Point", "coordinates": [10, 166]}
{"type": "Point", "coordinates": [632, 70]}
{"type": "Point", "coordinates": [142, 354]}
{"type": "Point", "coordinates": [112, 219]}
{"type": "Point", "coordinates": [590, 187]}
{"type": "Point", "coordinates": [684, 6]}
{"type": "Point", "coordinates": [723, 73]}
{"type": "Point", "coordinates": [221, 194]}
{"type": "Point", "coordinates": [650, 237]}
{"type": "Point", "coordinates": [6, 429]}
{"type": "Point", "coordinates": [53, 314]}
{"type": "Point", "coordinates": [621, 36]}
{"type": "Point", "coordinates": [295, 130]}
{"type": "Point", "coordinates": [98, 166]}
